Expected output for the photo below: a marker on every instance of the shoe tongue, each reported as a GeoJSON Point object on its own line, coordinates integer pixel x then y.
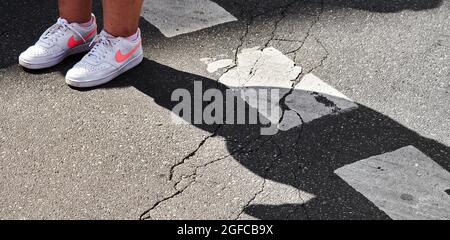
{"type": "Point", "coordinates": [53, 31]}
{"type": "Point", "coordinates": [90, 58]}
{"type": "Point", "coordinates": [62, 20]}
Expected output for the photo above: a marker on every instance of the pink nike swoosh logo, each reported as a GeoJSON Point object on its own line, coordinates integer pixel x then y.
{"type": "Point", "coordinates": [73, 43]}
{"type": "Point", "coordinates": [122, 57]}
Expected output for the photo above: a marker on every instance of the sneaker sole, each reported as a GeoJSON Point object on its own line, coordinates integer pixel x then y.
{"type": "Point", "coordinates": [55, 60]}
{"type": "Point", "coordinates": [97, 82]}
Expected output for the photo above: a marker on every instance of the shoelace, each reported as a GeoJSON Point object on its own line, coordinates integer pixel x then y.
{"type": "Point", "coordinates": [53, 33]}
{"type": "Point", "coordinates": [103, 44]}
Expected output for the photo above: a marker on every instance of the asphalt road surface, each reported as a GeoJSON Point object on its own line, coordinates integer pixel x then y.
{"type": "Point", "coordinates": [364, 131]}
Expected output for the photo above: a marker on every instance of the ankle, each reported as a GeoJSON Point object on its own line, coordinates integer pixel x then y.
{"type": "Point", "coordinates": [88, 23]}
{"type": "Point", "coordinates": [84, 22]}
{"type": "Point", "coordinates": [131, 37]}
{"type": "Point", "coordinates": [116, 31]}
{"type": "Point", "coordinates": [134, 37]}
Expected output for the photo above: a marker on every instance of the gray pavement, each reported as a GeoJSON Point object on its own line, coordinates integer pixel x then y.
{"type": "Point", "coordinates": [113, 152]}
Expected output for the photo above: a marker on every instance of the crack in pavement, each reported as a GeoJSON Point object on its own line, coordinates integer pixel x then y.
{"type": "Point", "coordinates": [283, 104]}
{"type": "Point", "coordinates": [263, 186]}
{"type": "Point", "coordinates": [191, 154]}
{"type": "Point", "coordinates": [252, 71]}
{"type": "Point", "coordinates": [143, 217]}
{"type": "Point", "coordinates": [197, 168]}
{"type": "Point", "coordinates": [287, 40]}
{"type": "Point", "coordinates": [275, 28]}
{"type": "Point", "coordinates": [266, 172]}
{"type": "Point", "coordinates": [251, 19]}
{"type": "Point", "coordinates": [305, 209]}
{"type": "Point", "coordinates": [172, 169]}
{"type": "Point", "coordinates": [146, 214]}
{"type": "Point", "coordinates": [322, 61]}
{"type": "Point", "coordinates": [248, 23]}
{"type": "Point", "coordinates": [283, 99]}
{"type": "Point", "coordinates": [308, 32]}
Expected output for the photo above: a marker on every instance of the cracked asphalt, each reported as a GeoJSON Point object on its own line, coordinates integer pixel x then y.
{"type": "Point", "coordinates": [113, 152]}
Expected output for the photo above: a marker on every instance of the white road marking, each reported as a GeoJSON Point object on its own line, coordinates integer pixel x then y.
{"type": "Point", "coordinates": [312, 99]}
{"type": "Point", "coordinates": [270, 68]}
{"type": "Point", "coordinates": [219, 64]}
{"type": "Point", "coordinates": [312, 83]}
{"type": "Point", "coordinates": [262, 68]}
{"type": "Point", "coordinates": [406, 184]}
{"type": "Point", "coordinates": [175, 17]}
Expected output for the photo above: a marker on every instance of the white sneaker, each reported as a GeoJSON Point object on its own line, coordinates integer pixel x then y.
{"type": "Point", "coordinates": [110, 57]}
{"type": "Point", "coordinates": [58, 42]}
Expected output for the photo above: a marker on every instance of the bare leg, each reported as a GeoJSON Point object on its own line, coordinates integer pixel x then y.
{"type": "Point", "coordinates": [77, 11]}
{"type": "Point", "coordinates": [121, 17]}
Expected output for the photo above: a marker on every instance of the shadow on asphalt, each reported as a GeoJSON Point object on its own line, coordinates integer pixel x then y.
{"type": "Point", "coordinates": [381, 6]}
{"type": "Point", "coordinates": [304, 157]}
